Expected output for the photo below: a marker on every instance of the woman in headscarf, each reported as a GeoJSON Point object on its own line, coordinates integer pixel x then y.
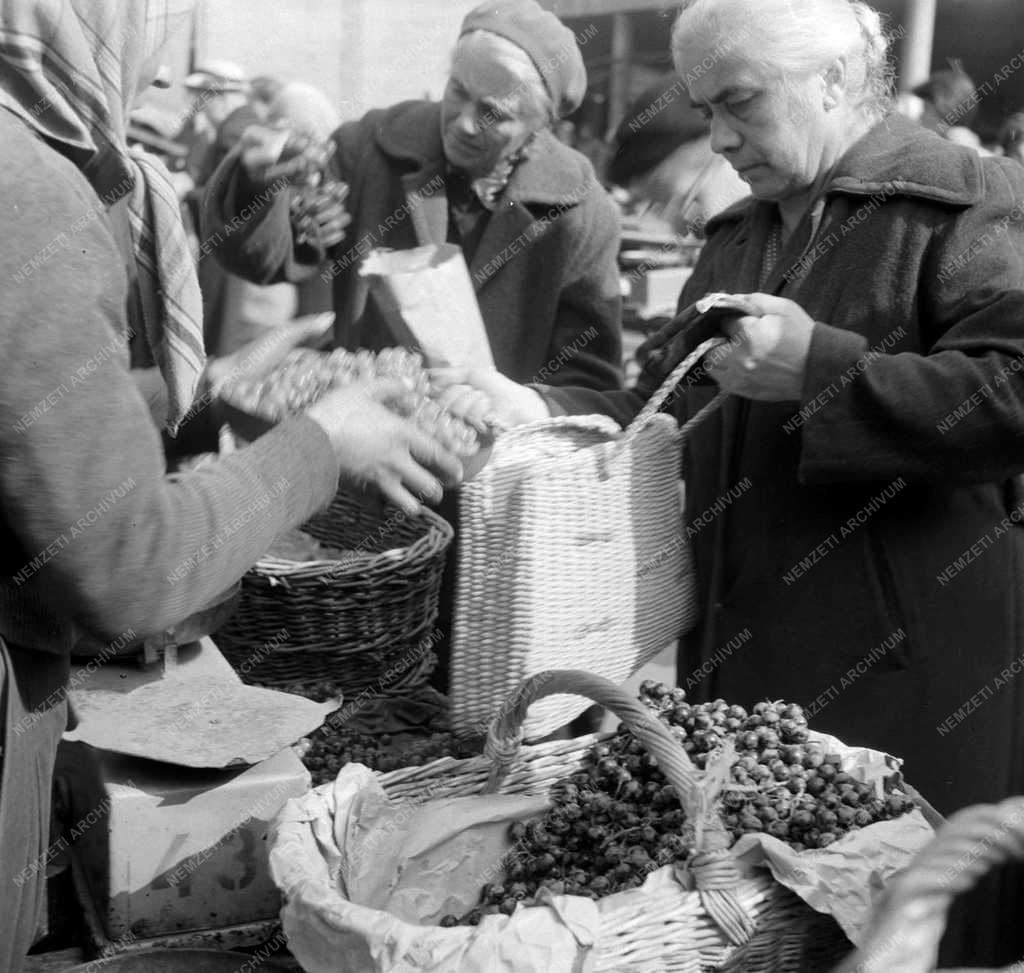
{"type": "Point", "coordinates": [856, 505]}
{"type": "Point", "coordinates": [93, 533]}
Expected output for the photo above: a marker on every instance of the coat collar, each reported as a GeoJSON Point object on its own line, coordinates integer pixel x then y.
{"type": "Point", "coordinates": [552, 175]}
{"type": "Point", "coordinates": [897, 157]}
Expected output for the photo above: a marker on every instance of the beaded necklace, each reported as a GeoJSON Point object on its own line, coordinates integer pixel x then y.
{"type": "Point", "coordinates": [770, 255]}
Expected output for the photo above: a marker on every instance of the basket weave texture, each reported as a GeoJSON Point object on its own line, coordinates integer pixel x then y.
{"type": "Point", "coordinates": [364, 622]}
{"type": "Point", "coordinates": [713, 919]}
{"type": "Point", "coordinates": [571, 554]}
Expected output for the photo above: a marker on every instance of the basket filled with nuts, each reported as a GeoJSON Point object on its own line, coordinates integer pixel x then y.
{"type": "Point", "coordinates": [695, 837]}
{"type": "Point", "coordinates": [354, 593]}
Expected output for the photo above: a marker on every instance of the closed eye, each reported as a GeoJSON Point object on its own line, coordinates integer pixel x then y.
{"type": "Point", "coordinates": [738, 106]}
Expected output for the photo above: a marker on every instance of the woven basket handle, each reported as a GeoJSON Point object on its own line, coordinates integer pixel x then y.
{"type": "Point", "coordinates": [505, 732]}
{"type": "Point", "coordinates": [668, 387]}
{"type": "Point", "coordinates": [911, 917]}
{"type": "Point", "coordinates": [711, 867]}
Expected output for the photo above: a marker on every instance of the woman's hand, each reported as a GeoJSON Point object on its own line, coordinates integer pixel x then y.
{"type": "Point", "coordinates": [767, 352]}
{"type": "Point", "coordinates": [278, 155]}
{"type": "Point", "coordinates": [376, 446]}
{"type": "Point", "coordinates": [267, 350]}
{"type": "Point", "coordinates": [511, 404]}
{"type": "Point", "coordinates": [318, 214]}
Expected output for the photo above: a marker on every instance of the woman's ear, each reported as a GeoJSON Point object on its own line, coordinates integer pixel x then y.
{"type": "Point", "coordinates": [834, 83]}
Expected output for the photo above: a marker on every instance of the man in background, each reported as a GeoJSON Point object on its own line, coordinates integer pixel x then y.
{"type": "Point", "coordinates": [950, 105]}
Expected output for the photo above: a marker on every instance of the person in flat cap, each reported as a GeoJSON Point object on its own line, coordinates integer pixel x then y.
{"type": "Point", "coordinates": [479, 168]}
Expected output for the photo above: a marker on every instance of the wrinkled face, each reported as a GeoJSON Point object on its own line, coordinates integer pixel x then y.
{"type": "Point", "coordinates": [777, 137]}
{"type": "Point", "coordinates": [486, 114]}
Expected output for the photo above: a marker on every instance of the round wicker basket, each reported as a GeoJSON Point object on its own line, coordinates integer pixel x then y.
{"type": "Point", "coordinates": [364, 621]}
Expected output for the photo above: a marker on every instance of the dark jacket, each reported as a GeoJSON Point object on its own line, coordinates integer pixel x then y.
{"type": "Point", "coordinates": [870, 538]}
{"type": "Point", "coordinates": [545, 269]}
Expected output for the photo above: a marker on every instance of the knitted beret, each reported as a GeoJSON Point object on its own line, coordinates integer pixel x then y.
{"type": "Point", "coordinates": [551, 45]}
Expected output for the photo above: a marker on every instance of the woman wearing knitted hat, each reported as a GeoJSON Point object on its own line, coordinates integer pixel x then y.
{"type": "Point", "coordinates": [481, 169]}
{"type": "Point", "coordinates": [869, 453]}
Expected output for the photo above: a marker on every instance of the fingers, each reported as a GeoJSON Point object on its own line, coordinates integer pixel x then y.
{"type": "Point", "coordinates": [429, 453]}
{"type": "Point", "coordinates": [736, 329]}
{"type": "Point", "coordinates": [468, 403]}
{"type": "Point", "coordinates": [449, 376]}
{"type": "Point", "coordinates": [400, 497]}
{"type": "Point", "coordinates": [385, 390]}
{"type": "Point", "coordinates": [311, 329]}
{"type": "Point", "coordinates": [419, 481]}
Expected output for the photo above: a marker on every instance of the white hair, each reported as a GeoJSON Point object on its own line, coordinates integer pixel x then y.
{"type": "Point", "coordinates": [531, 91]}
{"type": "Point", "coordinates": [789, 38]}
{"type": "Point", "coordinates": [306, 109]}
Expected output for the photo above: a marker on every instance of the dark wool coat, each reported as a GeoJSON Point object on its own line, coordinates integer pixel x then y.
{"type": "Point", "coordinates": [545, 270]}
{"type": "Point", "coordinates": [869, 539]}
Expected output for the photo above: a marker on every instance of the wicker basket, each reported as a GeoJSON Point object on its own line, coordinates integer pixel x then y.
{"type": "Point", "coordinates": [571, 554]}
{"type": "Point", "coordinates": [728, 923]}
{"type": "Point", "coordinates": [911, 918]}
{"type": "Point", "coordinates": [365, 622]}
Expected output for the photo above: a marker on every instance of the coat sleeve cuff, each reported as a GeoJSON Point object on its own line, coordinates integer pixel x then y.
{"type": "Point", "coordinates": [833, 353]}
{"type": "Point", "coordinates": [832, 363]}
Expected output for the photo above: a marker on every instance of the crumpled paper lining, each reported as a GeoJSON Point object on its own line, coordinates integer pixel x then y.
{"type": "Point", "coordinates": [846, 878]}
{"type": "Point", "coordinates": [327, 932]}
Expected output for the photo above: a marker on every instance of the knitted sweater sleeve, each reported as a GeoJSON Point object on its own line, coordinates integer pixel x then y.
{"type": "Point", "coordinates": [95, 534]}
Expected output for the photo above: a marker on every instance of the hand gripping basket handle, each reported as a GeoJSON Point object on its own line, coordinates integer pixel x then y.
{"type": "Point", "coordinates": [666, 389]}
{"type": "Point", "coordinates": [911, 917]}
{"type": "Point", "coordinates": [711, 866]}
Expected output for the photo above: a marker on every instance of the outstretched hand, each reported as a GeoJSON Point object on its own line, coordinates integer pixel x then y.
{"type": "Point", "coordinates": [376, 446]}
{"type": "Point", "coordinates": [504, 402]}
{"type": "Point", "coordinates": [268, 349]}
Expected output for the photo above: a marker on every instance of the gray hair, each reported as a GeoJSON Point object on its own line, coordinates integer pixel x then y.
{"type": "Point", "coordinates": [530, 90]}
{"type": "Point", "coordinates": [788, 38]}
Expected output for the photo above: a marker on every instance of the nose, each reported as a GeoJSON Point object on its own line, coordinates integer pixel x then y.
{"type": "Point", "coordinates": [466, 120]}
{"type": "Point", "coordinates": [723, 136]}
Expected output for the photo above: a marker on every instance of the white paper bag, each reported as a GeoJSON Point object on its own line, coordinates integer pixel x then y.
{"type": "Point", "coordinates": [429, 301]}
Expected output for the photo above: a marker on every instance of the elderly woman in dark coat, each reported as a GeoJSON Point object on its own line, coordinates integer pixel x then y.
{"type": "Point", "coordinates": [856, 504]}
{"type": "Point", "coordinates": [481, 169]}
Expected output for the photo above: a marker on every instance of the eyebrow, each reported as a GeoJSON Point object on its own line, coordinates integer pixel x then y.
{"type": "Point", "coordinates": [724, 95]}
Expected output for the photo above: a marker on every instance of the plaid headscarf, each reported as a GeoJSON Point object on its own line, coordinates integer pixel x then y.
{"type": "Point", "coordinates": [69, 69]}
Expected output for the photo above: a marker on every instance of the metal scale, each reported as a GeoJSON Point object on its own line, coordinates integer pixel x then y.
{"type": "Point", "coordinates": [164, 855]}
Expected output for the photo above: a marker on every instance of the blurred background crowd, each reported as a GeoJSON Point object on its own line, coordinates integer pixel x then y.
{"type": "Point", "coordinates": [959, 73]}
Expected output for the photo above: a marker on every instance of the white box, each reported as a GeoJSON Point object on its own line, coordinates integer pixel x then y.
{"type": "Point", "coordinates": [165, 849]}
